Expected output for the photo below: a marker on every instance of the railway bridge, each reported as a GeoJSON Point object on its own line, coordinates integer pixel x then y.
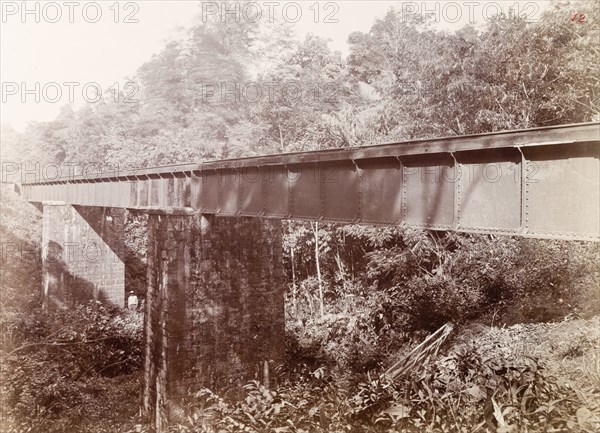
{"type": "Point", "coordinates": [214, 300]}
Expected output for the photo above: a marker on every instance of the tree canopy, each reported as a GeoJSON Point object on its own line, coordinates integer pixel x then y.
{"type": "Point", "coordinates": [231, 89]}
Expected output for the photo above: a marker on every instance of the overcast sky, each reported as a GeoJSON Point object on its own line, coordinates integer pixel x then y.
{"type": "Point", "coordinates": [79, 43]}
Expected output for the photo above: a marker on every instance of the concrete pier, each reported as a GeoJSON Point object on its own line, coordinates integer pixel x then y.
{"type": "Point", "coordinates": [214, 308]}
{"type": "Point", "coordinates": [82, 255]}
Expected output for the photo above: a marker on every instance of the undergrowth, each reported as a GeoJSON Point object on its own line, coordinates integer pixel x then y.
{"type": "Point", "coordinates": [73, 370]}
{"type": "Point", "coordinates": [485, 382]}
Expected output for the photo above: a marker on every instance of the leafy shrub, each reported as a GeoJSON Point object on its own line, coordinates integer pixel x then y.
{"type": "Point", "coordinates": [64, 369]}
{"type": "Point", "coordinates": [552, 279]}
{"type": "Point", "coordinates": [314, 401]}
{"type": "Point", "coordinates": [490, 382]}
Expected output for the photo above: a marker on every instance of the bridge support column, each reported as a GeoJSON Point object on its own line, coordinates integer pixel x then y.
{"type": "Point", "coordinates": [214, 308]}
{"type": "Point", "coordinates": [82, 255]}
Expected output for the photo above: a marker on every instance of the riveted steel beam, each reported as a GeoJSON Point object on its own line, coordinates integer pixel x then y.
{"type": "Point", "coordinates": [541, 182]}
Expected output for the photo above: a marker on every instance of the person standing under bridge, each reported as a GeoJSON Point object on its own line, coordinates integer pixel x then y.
{"type": "Point", "coordinates": [132, 301]}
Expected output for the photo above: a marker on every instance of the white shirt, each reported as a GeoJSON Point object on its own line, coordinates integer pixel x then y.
{"type": "Point", "coordinates": [132, 300]}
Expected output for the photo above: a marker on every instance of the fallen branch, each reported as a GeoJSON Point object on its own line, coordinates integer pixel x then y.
{"type": "Point", "coordinates": [422, 353]}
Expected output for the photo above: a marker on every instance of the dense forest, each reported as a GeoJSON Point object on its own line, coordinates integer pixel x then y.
{"type": "Point", "coordinates": [517, 319]}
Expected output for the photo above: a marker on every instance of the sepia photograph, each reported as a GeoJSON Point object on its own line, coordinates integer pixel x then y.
{"type": "Point", "coordinates": [353, 216]}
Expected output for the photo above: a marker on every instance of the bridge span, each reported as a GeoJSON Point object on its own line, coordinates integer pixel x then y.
{"type": "Point", "coordinates": [540, 183]}
{"type": "Point", "coordinates": [214, 297]}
